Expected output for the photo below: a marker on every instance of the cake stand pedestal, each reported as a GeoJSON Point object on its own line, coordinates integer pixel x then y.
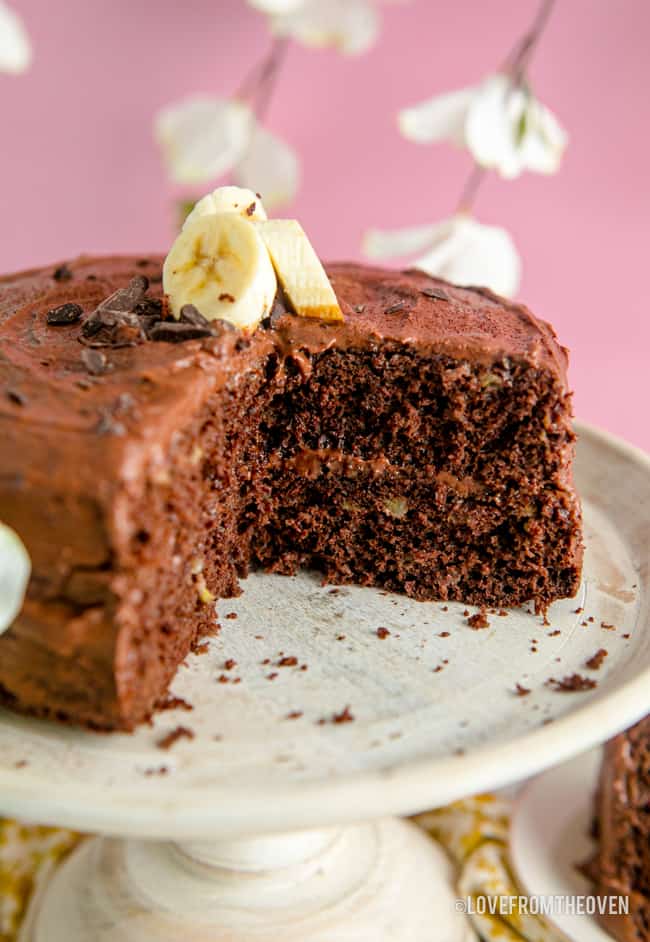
{"type": "Point", "coordinates": [270, 817]}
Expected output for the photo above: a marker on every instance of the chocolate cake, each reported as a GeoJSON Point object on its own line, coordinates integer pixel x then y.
{"type": "Point", "coordinates": [621, 864]}
{"type": "Point", "coordinates": [424, 445]}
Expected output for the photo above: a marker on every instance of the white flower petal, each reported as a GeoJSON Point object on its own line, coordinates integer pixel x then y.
{"type": "Point", "coordinates": [391, 243]}
{"type": "Point", "coordinates": [351, 26]}
{"type": "Point", "coordinates": [202, 138]}
{"type": "Point", "coordinates": [276, 7]}
{"type": "Point", "coordinates": [15, 47]}
{"type": "Point", "coordinates": [269, 167]}
{"type": "Point", "coordinates": [509, 131]}
{"type": "Point", "coordinates": [15, 569]}
{"type": "Point", "coordinates": [467, 252]}
{"type": "Point", "coordinates": [544, 144]}
{"type": "Point", "coordinates": [439, 118]}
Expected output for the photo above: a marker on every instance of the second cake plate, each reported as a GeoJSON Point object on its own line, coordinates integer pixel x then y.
{"type": "Point", "coordinates": [317, 707]}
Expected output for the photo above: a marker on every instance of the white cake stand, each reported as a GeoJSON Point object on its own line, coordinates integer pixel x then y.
{"type": "Point", "coordinates": [253, 825]}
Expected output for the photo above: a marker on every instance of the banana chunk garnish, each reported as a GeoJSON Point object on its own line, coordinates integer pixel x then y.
{"type": "Point", "coordinates": [229, 257]}
{"type": "Point", "coordinates": [228, 199]}
{"type": "Point", "coordinates": [220, 264]}
{"type": "Point", "coordinates": [299, 269]}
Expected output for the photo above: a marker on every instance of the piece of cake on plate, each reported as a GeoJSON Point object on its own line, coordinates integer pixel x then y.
{"type": "Point", "coordinates": [161, 434]}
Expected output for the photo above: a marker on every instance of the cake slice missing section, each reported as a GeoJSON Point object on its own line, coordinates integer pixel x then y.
{"type": "Point", "coordinates": [424, 444]}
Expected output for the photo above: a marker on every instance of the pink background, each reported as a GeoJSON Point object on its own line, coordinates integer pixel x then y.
{"type": "Point", "coordinates": [79, 170]}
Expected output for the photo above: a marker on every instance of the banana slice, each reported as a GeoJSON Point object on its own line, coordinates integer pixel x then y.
{"type": "Point", "coordinates": [299, 269]}
{"type": "Point", "coordinates": [220, 264]}
{"type": "Point", "coordinates": [15, 569]}
{"type": "Point", "coordinates": [228, 199]}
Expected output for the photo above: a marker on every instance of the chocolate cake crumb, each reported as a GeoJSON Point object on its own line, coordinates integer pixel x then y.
{"type": "Point", "coordinates": [626, 635]}
{"type": "Point", "coordinates": [272, 676]}
{"type": "Point", "coordinates": [554, 633]}
{"type": "Point", "coordinates": [21, 764]}
{"type": "Point", "coordinates": [383, 633]}
{"type": "Point", "coordinates": [162, 770]}
{"type": "Point", "coordinates": [64, 315]}
{"type": "Point", "coordinates": [62, 273]}
{"type": "Point", "coordinates": [225, 296]}
{"type": "Point", "coordinates": [229, 664]}
{"type": "Point", "coordinates": [288, 662]}
{"type": "Point", "coordinates": [502, 613]}
{"type": "Point", "coordinates": [607, 626]}
{"type": "Point", "coordinates": [294, 715]}
{"type": "Point", "coordinates": [223, 679]}
{"type": "Point", "coordinates": [437, 669]}
{"type": "Point", "coordinates": [573, 683]}
{"type": "Point", "coordinates": [181, 732]}
{"type": "Point", "coordinates": [591, 619]}
{"type": "Point", "coordinates": [171, 702]}
{"type": "Point", "coordinates": [521, 691]}
{"type": "Point", "coordinates": [445, 608]}
{"type": "Point", "coordinates": [345, 716]}
{"type": "Point", "coordinates": [479, 620]}
{"type": "Point", "coordinates": [465, 613]}
{"type": "Point", "coordinates": [594, 662]}
{"type": "Point", "coordinates": [443, 634]}
{"type": "Point", "coordinates": [200, 647]}
{"type": "Point", "coordinates": [231, 615]}
{"type": "Point", "coordinates": [578, 611]}
{"type": "Point", "coordinates": [304, 667]}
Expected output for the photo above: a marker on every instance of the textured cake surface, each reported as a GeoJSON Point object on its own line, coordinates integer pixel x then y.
{"type": "Point", "coordinates": [621, 865]}
{"type": "Point", "coordinates": [424, 445]}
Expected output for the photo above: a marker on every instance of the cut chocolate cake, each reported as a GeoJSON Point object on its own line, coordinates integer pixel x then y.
{"type": "Point", "coordinates": [621, 864]}
{"type": "Point", "coordinates": [423, 444]}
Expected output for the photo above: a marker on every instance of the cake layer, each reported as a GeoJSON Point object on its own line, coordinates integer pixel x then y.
{"type": "Point", "coordinates": [621, 865]}
{"type": "Point", "coordinates": [424, 445]}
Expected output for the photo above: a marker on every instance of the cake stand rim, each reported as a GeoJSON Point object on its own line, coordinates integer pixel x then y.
{"type": "Point", "coordinates": [413, 786]}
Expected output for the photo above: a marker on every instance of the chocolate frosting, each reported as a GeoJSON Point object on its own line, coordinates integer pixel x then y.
{"type": "Point", "coordinates": [78, 425]}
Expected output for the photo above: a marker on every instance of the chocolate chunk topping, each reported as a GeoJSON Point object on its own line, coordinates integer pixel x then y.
{"type": "Point", "coordinates": [177, 332]}
{"type": "Point", "coordinates": [191, 315]}
{"type": "Point", "coordinates": [63, 315]}
{"type": "Point", "coordinates": [394, 308]}
{"type": "Point", "coordinates": [62, 273]}
{"type": "Point", "coordinates": [94, 361]}
{"type": "Point", "coordinates": [436, 293]}
{"type": "Point", "coordinates": [15, 396]}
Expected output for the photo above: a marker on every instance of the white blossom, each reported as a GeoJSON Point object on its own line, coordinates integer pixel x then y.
{"type": "Point", "coordinates": [205, 138]}
{"type": "Point", "coordinates": [270, 167]}
{"type": "Point", "coordinates": [503, 125]}
{"type": "Point", "coordinates": [15, 47]}
{"type": "Point", "coordinates": [202, 138]}
{"type": "Point", "coordinates": [459, 249]}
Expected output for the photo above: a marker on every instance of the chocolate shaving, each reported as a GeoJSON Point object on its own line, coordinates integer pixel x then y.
{"type": "Point", "coordinates": [394, 308]}
{"type": "Point", "coordinates": [18, 398]}
{"type": "Point", "coordinates": [108, 426]}
{"type": "Point", "coordinates": [64, 314]}
{"type": "Point", "coordinates": [62, 273]}
{"type": "Point", "coordinates": [191, 315]}
{"type": "Point", "coordinates": [436, 293]}
{"type": "Point", "coordinates": [521, 691]}
{"type": "Point", "coordinates": [94, 361]}
{"type": "Point", "coordinates": [176, 332]}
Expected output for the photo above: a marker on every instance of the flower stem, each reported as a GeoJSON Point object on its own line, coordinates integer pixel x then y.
{"type": "Point", "coordinates": [257, 87]}
{"type": "Point", "coordinates": [516, 66]}
{"type": "Point", "coordinates": [518, 61]}
{"type": "Point", "coordinates": [471, 188]}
